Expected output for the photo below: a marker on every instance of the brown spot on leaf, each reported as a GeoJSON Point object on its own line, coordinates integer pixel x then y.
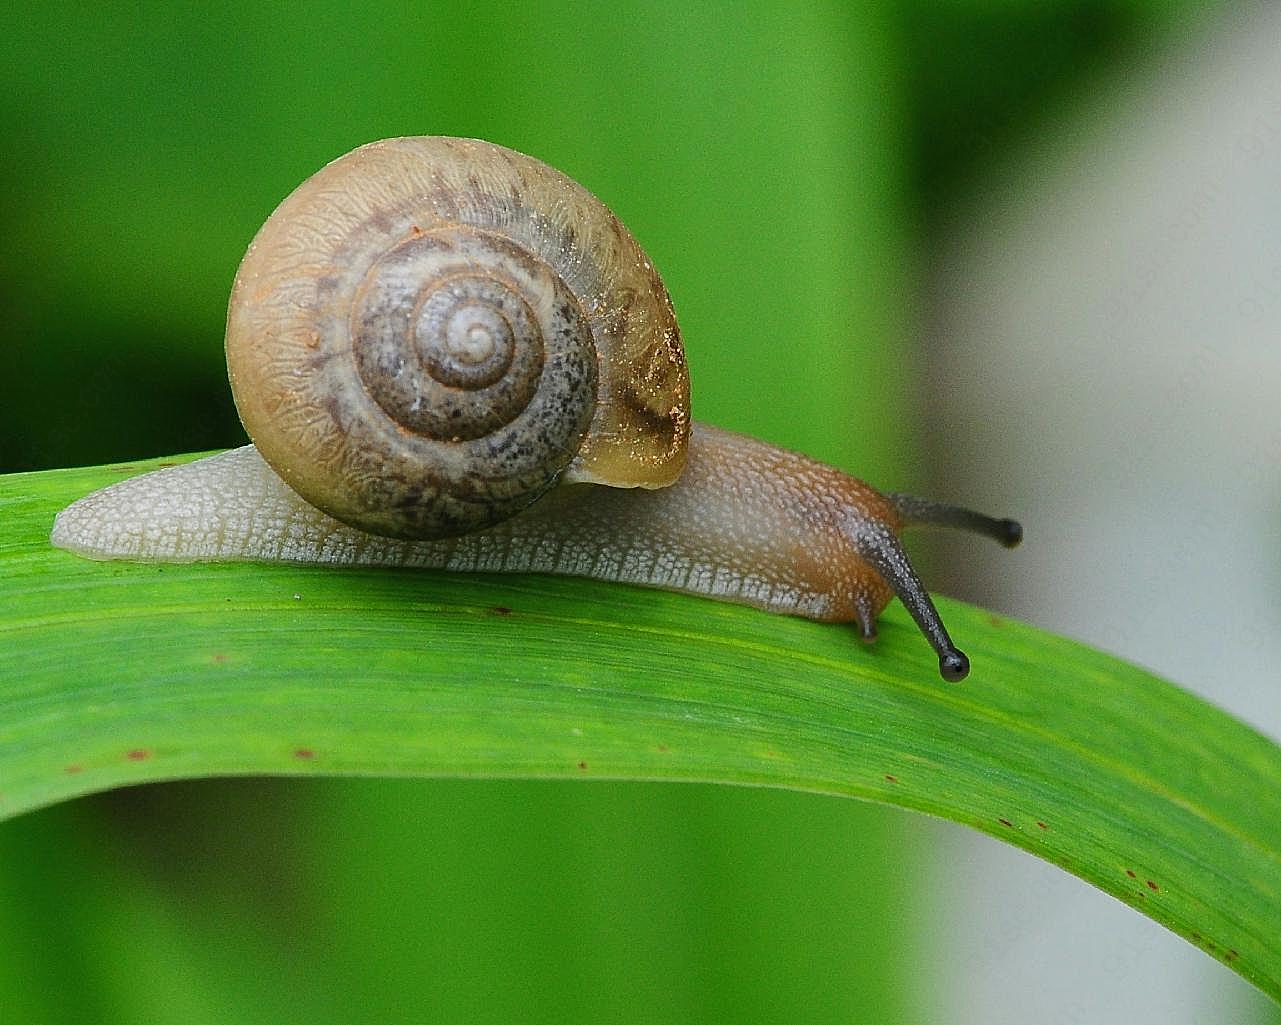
{"type": "Point", "coordinates": [71, 770]}
{"type": "Point", "coordinates": [166, 465]}
{"type": "Point", "coordinates": [138, 754]}
{"type": "Point", "coordinates": [500, 610]}
{"type": "Point", "coordinates": [582, 765]}
{"type": "Point", "coordinates": [1130, 872]}
{"type": "Point", "coordinates": [1152, 885]}
{"type": "Point", "coordinates": [1041, 825]}
{"type": "Point", "coordinates": [1006, 822]}
{"type": "Point", "coordinates": [304, 753]}
{"type": "Point", "coordinates": [890, 779]}
{"type": "Point", "coordinates": [1232, 955]}
{"type": "Point", "coordinates": [218, 656]}
{"type": "Point", "coordinates": [663, 748]}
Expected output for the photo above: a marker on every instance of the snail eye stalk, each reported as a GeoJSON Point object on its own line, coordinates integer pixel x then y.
{"type": "Point", "coordinates": [880, 549]}
{"type": "Point", "coordinates": [924, 512]}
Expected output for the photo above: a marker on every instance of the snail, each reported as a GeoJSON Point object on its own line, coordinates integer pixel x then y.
{"type": "Point", "coordinates": [448, 354]}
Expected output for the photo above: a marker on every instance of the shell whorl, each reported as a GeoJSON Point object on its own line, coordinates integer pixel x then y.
{"type": "Point", "coordinates": [429, 333]}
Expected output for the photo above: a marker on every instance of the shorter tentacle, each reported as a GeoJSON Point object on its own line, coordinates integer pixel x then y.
{"type": "Point", "coordinates": [865, 610]}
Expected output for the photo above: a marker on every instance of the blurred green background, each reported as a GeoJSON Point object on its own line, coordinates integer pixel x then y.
{"type": "Point", "coordinates": [785, 166]}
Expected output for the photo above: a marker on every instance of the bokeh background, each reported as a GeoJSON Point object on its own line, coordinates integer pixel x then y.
{"type": "Point", "coordinates": [1015, 253]}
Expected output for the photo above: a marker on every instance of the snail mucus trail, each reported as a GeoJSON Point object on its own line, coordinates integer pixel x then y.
{"type": "Point", "coordinates": [448, 354]}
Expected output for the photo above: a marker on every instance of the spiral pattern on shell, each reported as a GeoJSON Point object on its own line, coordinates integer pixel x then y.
{"type": "Point", "coordinates": [429, 333]}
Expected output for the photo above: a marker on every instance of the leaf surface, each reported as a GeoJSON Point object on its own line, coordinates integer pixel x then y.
{"type": "Point", "coordinates": [114, 674]}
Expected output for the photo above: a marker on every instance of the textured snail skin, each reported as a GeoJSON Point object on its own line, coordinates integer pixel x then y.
{"type": "Point", "coordinates": [746, 522]}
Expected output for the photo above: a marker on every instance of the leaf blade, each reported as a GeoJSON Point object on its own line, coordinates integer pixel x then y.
{"type": "Point", "coordinates": [114, 673]}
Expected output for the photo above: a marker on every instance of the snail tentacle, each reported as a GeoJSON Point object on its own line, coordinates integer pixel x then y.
{"type": "Point", "coordinates": [880, 548]}
{"type": "Point", "coordinates": [915, 510]}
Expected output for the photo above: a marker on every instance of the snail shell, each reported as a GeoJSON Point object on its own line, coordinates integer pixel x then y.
{"type": "Point", "coordinates": [429, 333]}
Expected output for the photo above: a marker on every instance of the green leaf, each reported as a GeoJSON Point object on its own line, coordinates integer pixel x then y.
{"type": "Point", "coordinates": [115, 673]}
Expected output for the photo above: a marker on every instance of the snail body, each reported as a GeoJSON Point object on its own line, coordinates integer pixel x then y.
{"type": "Point", "coordinates": [449, 355]}
{"type": "Point", "coordinates": [729, 528]}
